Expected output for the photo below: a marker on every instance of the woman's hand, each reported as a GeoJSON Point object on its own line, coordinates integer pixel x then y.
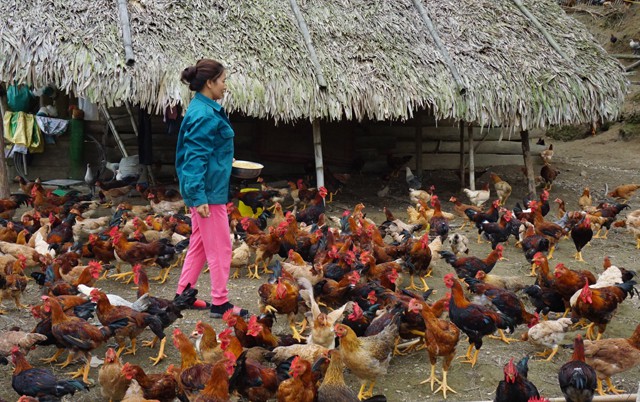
{"type": "Point", "coordinates": [203, 210]}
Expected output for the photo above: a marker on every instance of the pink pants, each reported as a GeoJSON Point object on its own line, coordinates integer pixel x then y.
{"type": "Point", "coordinates": [209, 242]}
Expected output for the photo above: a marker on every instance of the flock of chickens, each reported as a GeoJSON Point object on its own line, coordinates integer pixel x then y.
{"type": "Point", "coordinates": [341, 277]}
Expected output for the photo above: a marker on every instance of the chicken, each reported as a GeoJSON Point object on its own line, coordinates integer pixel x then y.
{"type": "Point", "coordinates": [417, 195]}
{"type": "Point", "coordinates": [25, 341]}
{"type": "Point", "coordinates": [9, 206]}
{"type": "Point", "coordinates": [413, 181]}
{"type": "Point", "coordinates": [13, 283]}
{"type": "Point", "coordinates": [141, 304]}
{"type": "Point", "coordinates": [135, 394]}
{"type": "Point", "coordinates": [577, 379]}
{"type": "Point", "coordinates": [599, 305]}
{"type": "Point", "coordinates": [194, 374]}
{"type": "Point", "coordinates": [72, 275]}
{"type": "Point", "coordinates": [300, 386]}
{"type": "Point", "coordinates": [114, 195]}
{"type": "Point", "coordinates": [266, 246]}
{"type": "Point", "coordinates": [478, 197]}
{"type": "Point", "coordinates": [309, 352]}
{"type": "Point", "coordinates": [136, 321]}
{"type": "Point", "coordinates": [439, 224]}
{"type": "Point", "coordinates": [460, 208]}
{"type": "Point", "coordinates": [585, 199]}
{"type": "Point", "coordinates": [474, 320]}
{"type": "Point", "coordinates": [254, 381]}
{"type": "Point", "coordinates": [567, 281]}
{"type": "Point", "coordinates": [240, 258]}
{"type": "Point", "coordinates": [88, 226]}
{"type": "Point", "coordinates": [113, 382]}
{"type": "Point", "coordinates": [459, 244]}
{"type": "Point", "coordinates": [547, 154]}
{"type": "Point", "coordinates": [511, 283]}
{"type": "Point", "coordinates": [440, 339]}
{"type": "Point", "coordinates": [548, 174]}
{"type": "Point", "coordinates": [168, 311]}
{"type": "Point", "coordinates": [77, 335]}
{"type": "Point", "coordinates": [609, 357]}
{"type": "Point", "coordinates": [633, 225]}
{"type": "Point", "coordinates": [624, 192]}
{"type": "Point", "coordinates": [503, 189]}
{"type": "Point", "coordinates": [479, 218]}
{"type": "Point", "coordinates": [468, 267]}
{"type": "Point", "coordinates": [547, 333]}
{"type": "Point", "coordinates": [498, 232]}
{"type": "Point", "coordinates": [393, 226]}
{"type": "Point", "coordinates": [581, 236]}
{"type": "Point", "coordinates": [38, 382]}
{"type": "Point", "coordinates": [516, 387]}
{"type": "Point", "coordinates": [367, 357]}
{"type": "Point", "coordinates": [321, 324]}
{"type": "Point", "coordinates": [280, 295]}
{"type": "Point", "coordinates": [165, 207]}
{"type": "Point", "coordinates": [163, 387]}
{"type": "Point", "coordinates": [216, 388]}
{"type": "Point", "coordinates": [136, 252]}
{"type": "Point", "coordinates": [533, 245]}
{"type": "Point", "coordinates": [207, 342]}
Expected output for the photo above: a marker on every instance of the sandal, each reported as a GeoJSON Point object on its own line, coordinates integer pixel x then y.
{"type": "Point", "coordinates": [218, 311]}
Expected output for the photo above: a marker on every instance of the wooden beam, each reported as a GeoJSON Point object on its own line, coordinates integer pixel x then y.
{"type": "Point", "coordinates": [528, 163]}
{"type": "Point", "coordinates": [317, 151]}
{"type": "Point", "coordinates": [304, 30]}
{"type": "Point", "coordinates": [626, 56]}
{"type": "Point", "coordinates": [462, 181]}
{"type": "Point", "coordinates": [5, 190]}
{"type": "Point", "coordinates": [446, 58]}
{"type": "Point", "coordinates": [632, 66]}
{"type": "Point", "coordinates": [125, 25]}
{"type": "Point", "coordinates": [418, 142]}
{"type": "Point", "coordinates": [472, 162]}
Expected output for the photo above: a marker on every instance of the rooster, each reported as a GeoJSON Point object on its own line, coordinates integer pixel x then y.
{"type": "Point", "coordinates": [516, 387]}
{"type": "Point", "coordinates": [577, 379]}
{"type": "Point", "coordinates": [468, 267]}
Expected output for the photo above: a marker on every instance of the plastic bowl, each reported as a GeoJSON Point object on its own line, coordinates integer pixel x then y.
{"type": "Point", "coordinates": [246, 169]}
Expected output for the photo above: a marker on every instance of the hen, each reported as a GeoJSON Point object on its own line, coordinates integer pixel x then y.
{"type": "Point", "coordinates": [623, 193]}
{"type": "Point", "coordinates": [547, 333]}
{"type": "Point", "coordinates": [633, 225]}
{"type": "Point", "coordinates": [474, 320]}
{"type": "Point", "coordinates": [577, 379]}
{"type": "Point", "coordinates": [300, 387]}
{"type": "Point", "coordinates": [113, 382]}
{"type": "Point", "coordinates": [162, 387]}
{"type": "Point", "coordinates": [468, 267]}
{"type": "Point", "coordinates": [280, 295]}
{"type": "Point", "coordinates": [25, 341]}
{"type": "Point", "coordinates": [581, 236]}
{"type": "Point", "coordinates": [207, 342]}
{"type": "Point", "coordinates": [367, 357]}
{"type": "Point", "coordinates": [333, 387]}
{"type": "Point", "coordinates": [478, 197]}
{"type": "Point", "coordinates": [460, 208]}
{"type": "Point", "coordinates": [503, 189]}
{"type": "Point", "coordinates": [609, 357]}
{"type": "Point", "coordinates": [440, 339]}
{"type": "Point", "coordinates": [548, 174]}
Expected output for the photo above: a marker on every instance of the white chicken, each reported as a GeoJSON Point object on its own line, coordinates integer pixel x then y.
{"type": "Point", "coordinates": [142, 304]}
{"type": "Point", "coordinates": [322, 332]}
{"type": "Point", "coordinates": [240, 258]}
{"type": "Point", "coordinates": [478, 197]}
{"type": "Point", "coordinates": [633, 225]}
{"type": "Point", "coordinates": [548, 334]}
{"type": "Point", "coordinates": [459, 243]}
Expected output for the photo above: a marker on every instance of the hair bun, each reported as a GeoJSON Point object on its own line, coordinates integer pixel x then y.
{"type": "Point", "coordinates": [188, 74]}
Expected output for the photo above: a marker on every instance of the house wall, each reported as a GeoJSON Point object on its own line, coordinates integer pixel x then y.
{"type": "Point", "coordinates": [287, 149]}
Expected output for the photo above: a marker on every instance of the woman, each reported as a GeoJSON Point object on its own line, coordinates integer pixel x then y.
{"type": "Point", "coordinates": [203, 163]}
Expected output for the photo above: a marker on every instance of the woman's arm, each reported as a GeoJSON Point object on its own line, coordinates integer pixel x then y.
{"type": "Point", "coordinates": [198, 144]}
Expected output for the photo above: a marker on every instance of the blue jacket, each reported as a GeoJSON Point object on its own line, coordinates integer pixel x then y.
{"type": "Point", "coordinates": [204, 153]}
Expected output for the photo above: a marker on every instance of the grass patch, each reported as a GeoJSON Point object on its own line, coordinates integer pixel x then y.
{"type": "Point", "coordinates": [633, 118]}
{"type": "Point", "coordinates": [629, 131]}
{"type": "Point", "coordinates": [636, 98]}
{"type": "Point", "coordinates": [568, 133]}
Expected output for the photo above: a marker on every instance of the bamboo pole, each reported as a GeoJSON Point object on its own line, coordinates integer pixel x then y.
{"type": "Point", "coordinates": [472, 163]}
{"type": "Point", "coordinates": [532, 18]}
{"type": "Point", "coordinates": [462, 181]}
{"type": "Point", "coordinates": [626, 56]}
{"type": "Point", "coordinates": [125, 25]}
{"type": "Point", "coordinates": [418, 140]}
{"type": "Point", "coordinates": [317, 150]}
{"type": "Point", "coordinates": [528, 163]}
{"type": "Point", "coordinates": [5, 190]}
{"type": "Point", "coordinates": [112, 126]}
{"type": "Point", "coordinates": [597, 398]}
{"type": "Point", "coordinates": [446, 58]}
{"type": "Point", "coordinates": [304, 30]}
{"type": "Point", "coordinates": [632, 66]}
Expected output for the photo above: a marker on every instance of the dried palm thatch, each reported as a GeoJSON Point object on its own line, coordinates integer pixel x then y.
{"type": "Point", "coordinates": [376, 55]}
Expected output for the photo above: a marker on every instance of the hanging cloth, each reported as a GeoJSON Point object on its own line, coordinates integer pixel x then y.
{"type": "Point", "coordinates": [145, 143]}
{"type": "Point", "coordinates": [22, 130]}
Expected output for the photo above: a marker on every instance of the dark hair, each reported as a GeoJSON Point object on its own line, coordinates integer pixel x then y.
{"type": "Point", "coordinates": [204, 70]}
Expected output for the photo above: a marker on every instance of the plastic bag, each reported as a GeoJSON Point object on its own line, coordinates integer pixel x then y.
{"type": "Point", "coordinates": [19, 98]}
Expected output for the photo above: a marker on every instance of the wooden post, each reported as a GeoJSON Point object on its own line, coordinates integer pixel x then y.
{"type": "Point", "coordinates": [5, 190]}
{"type": "Point", "coordinates": [632, 66]}
{"type": "Point", "coordinates": [418, 139]}
{"type": "Point", "coordinates": [528, 163]}
{"type": "Point", "coordinates": [472, 163]}
{"type": "Point", "coordinates": [462, 178]}
{"type": "Point", "coordinates": [125, 25]}
{"type": "Point", "coordinates": [317, 150]}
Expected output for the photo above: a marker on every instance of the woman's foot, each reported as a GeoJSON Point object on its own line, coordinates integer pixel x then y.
{"type": "Point", "coordinates": [218, 311]}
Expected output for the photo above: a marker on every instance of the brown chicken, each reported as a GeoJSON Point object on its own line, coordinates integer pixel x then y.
{"type": "Point", "coordinates": [252, 380]}
{"type": "Point", "coordinates": [194, 373]}
{"type": "Point", "coordinates": [137, 321]}
{"type": "Point", "coordinates": [280, 296]}
{"type": "Point", "coordinates": [72, 274]}
{"type": "Point", "coordinates": [78, 335]}
{"type": "Point", "coordinates": [548, 174]}
{"type": "Point", "coordinates": [139, 253]}
{"type": "Point", "coordinates": [252, 333]}
{"type": "Point", "coordinates": [417, 260]}
{"type": "Point", "coordinates": [367, 357]}
{"type": "Point", "coordinates": [112, 381]}
{"type": "Point", "coordinates": [207, 342]}
{"type": "Point", "coordinates": [611, 356]}
{"type": "Point", "coordinates": [599, 305]}
{"type": "Point", "coordinates": [623, 193]}
{"type": "Point", "coordinates": [440, 339]}
{"type": "Point", "coordinates": [300, 387]}
{"type": "Point", "coordinates": [552, 231]}
{"type": "Point", "coordinates": [459, 209]}
{"type": "Point", "coordinates": [567, 282]}
{"type": "Point", "coordinates": [113, 195]}
{"type": "Point", "coordinates": [216, 389]}
{"type": "Point", "coordinates": [266, 246]}
{"type": "Point", "coordinates": [162, 387]}
{"type": "Point", "coordinates": [503, 189]}
{"type": "Point", "coordinates": [585, 199]}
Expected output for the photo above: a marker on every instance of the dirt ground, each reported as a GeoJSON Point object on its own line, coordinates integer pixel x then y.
{"type": "Point", "coordinates": [594, 162]}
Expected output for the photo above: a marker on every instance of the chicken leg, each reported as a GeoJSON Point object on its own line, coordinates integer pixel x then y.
{"type": "Point", "coordinates": [503, 338]}
{"type": "Point", "coordinates": [432, 378]}
{"type": "Point", "coordinates": [553, 353]}
{"type": "Point", "coordinates": [599, 389]}
{"type": "Point", "coordinates": [533, 270]}
{"type": "Point", "coordinates": [161, 354]}
{"type": "Point", "coordinates": [132, 349]}
{"type": "Point", "coordinates": [550, 256]}
{"type": "Point", "coordinates": [121, 276]}
{"type": "Point", "coordinates": [66, 362]}
{"type": "Point", "coordinates": [638, 243]}
{"type": "Point", "coordinates": [425, 287]}
{"type": "Point", "coordinates": [444, 387]}
{"type": "Point", "coordinates": [471, 360]}
{"type": "Point", "coordinates": [53, 358]}
{"type": "Point", "coordinates": [83, 372]}
{"type": "Point", "coordinates": [612, 387]}
{"type": "Point", "coordinates": [412, 285]}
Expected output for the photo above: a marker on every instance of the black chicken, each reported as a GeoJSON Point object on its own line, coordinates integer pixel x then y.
{"type": "Point", "coordinates": [577, 379]}
{"type": "Point", "coordinates": [515, 387]}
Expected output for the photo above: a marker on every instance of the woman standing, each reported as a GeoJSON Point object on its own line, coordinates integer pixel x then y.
{"type": "Point", "coordinates": [203, 163]}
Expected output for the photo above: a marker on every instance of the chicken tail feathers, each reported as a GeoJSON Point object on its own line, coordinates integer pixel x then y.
{"type": "Point", "coordinates": [628, 288]}
{"type": "Point", "coordinates": [155, 325]}
{"type": "Point", "coordinates": [504, 322]}
{"type": "Point", "coordinates": [448, 256]}
{"type": "Point", "coordinates": [186, 298]}
{"type": "Point", "coordinates": [108, 330]}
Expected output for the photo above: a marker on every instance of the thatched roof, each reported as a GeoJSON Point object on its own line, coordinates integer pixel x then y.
{"type": "Point", "coordinates": [377, 58]}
